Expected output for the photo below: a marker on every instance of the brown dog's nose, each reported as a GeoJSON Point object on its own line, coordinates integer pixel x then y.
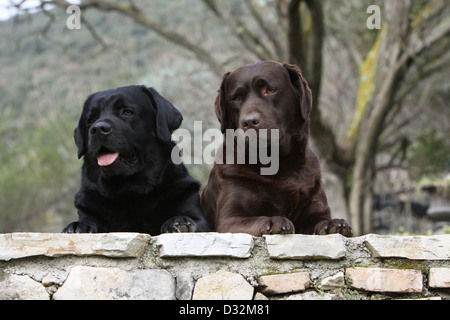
{"type": "Point", "coordinates": [250, 120]}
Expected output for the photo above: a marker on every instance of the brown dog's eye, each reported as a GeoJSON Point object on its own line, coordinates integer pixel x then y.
{"type": "Point", "coordinates": [236, 98]}
{"type": "Point", "coordinates": [270, 90]}
{"type": "Point", "coordinates": [127, 113]}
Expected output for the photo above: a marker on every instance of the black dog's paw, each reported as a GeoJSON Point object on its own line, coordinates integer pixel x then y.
{"type": "Point", "coordinates": [78, 227]}
{"type": "Point", "coordinates": [179, 224]}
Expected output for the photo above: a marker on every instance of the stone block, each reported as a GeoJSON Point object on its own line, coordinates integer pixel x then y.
{"type": "Point", "coordinates": [223, 285]}
{"type": "Point", "coordinates": [312, 295]}
{"type": "Point", "coordinates": [439, 278]}
{"type": "Point", "coordinates": [413, 247]}
{"type": "Point", "coordinates": [298, 246]}
{"type": "Point", "coordinates": [333, 282]}
{"type": "Point", "coordinates": [284, 283]}
{"type": "Point", "coordinates": [185, 286]}
{"type": "Point", "coordinates": [18, 287]}
{"type": "Point", "coordinates": [98, 283]}
{"type": "Point", "coordinates": [422, 299]}
{"type": "Point", "coordinates": [385, 280]}
{"type": "Point", "coordinates": [260, 296]}
{"type": "Point", "coordinates": [20, 245]}
{"type": "Point", "coordinates": [237, 245]}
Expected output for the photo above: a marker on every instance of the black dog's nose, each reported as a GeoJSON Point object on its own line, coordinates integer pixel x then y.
{"type": "Point", "coordinates": [250, 120]}
{"type": "Point", "coordinates": [100, 127]}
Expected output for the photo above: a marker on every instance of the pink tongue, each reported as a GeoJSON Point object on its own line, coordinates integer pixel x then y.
{"type": "Point", "coordinates": [107, 159]}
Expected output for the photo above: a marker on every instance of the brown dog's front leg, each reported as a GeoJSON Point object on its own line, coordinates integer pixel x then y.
{"type": "Point", "coordinates": [257, 226]}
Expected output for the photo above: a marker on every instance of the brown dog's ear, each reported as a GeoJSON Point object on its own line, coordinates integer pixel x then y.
{"type": "Point", "coordinates": [220, 103]}
{"type": "Point", "coordinates": [301, 89]}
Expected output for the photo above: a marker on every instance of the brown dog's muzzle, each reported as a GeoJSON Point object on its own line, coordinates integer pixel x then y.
{"type": "Point", "coordinates": [250, 121]}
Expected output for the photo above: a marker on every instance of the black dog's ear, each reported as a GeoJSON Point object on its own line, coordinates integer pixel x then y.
{"type": "Point", "coordinates": [79, 141]}
{"type": "Point", "coordinates": [168, 118]}
{"type": "Point", "coordinates": [220, 103]}
{"type": "Point", "coordinates": [301, 89]}
{"type": "Point", "coordinates": [80, 134]}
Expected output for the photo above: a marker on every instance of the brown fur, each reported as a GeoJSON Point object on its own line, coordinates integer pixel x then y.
{"type": "Point", "coordinates": [237, 198]}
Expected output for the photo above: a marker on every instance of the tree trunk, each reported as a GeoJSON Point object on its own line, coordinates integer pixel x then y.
{"type": "Point", "coordinates": [402, 42]}
{"type": "Point", "coordinates": [389, 72]}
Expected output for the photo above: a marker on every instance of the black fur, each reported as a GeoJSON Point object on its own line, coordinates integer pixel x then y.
{"type": "Point", "coordinates": [142, 190]}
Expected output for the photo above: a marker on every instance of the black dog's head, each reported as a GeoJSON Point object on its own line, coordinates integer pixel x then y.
{"type": "Point", "coordinates": [121, 130]}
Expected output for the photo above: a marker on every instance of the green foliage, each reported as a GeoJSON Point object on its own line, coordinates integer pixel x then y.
{"type": "Point", "coordinates": [429, 154]}
{"type": "Point", "coordinates": [36, 161]}
{"type": "Point", "coordinates": [44, 80]}
{"type": "Point", "coordinates": [43, 84]}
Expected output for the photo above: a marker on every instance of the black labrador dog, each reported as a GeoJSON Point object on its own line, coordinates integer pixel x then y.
{"type": "Point", "coordinates": [129, 182]}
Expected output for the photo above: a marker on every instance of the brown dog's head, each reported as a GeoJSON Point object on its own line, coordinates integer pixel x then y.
{"type": "Point", "coordinates": [266, 95]}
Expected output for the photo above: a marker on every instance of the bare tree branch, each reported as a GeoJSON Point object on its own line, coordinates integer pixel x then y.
{"type": "Point", "coordinates": [211, 4]}
{"type": "Point", "coordinates": [421, 43]}
{"type": "Point", "coordinates": [44, 32]}
{"type": "Point", "coordinates": [296, 52]}
{"type": "Point", "coordinates": [132, 11]}
{"type": "Point", "coordinates": [104, 43]}
{"type": "Point", "coordinates": [270, 31]}
{"type": "Point", "coordinates": [249, 41]}
{"type": "Point", "coordinates": [423, 71]}
{"type": "Point", "coordinates": [282, 13]}
{"type": "Point", "coordinates": [389, 131]}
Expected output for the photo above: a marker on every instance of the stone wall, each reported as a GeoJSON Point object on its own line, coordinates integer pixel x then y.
{"type": "Point", "coordinates": [199, 266]}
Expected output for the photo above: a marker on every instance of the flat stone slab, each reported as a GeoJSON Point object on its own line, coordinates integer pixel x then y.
{"type": "Point", "coordinates": [21, 287]}
{"type": "Point", "coordinates": [335, 281]}
{"type": "Point", "coordinates": [97, 283]}
{"type": "Point", "coordinates": [284, 283]}
{"type": "Point", "coordinates": [223, 285]}
{"type": "Point", "coordinates": [238, 245]}
{"type": "Point", "coordinates": [439, 278]}
{"type": "Point", "coordinates": [298, 246]}
{"type": "Point", "coordinates": [411, 247]}
{"type": "Point", "coordinates": [20, 245]}
{"type": "Point", "coordinates": [385, 280]}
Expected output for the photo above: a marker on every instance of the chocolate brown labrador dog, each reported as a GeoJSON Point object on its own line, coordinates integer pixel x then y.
{"type": "Point", "coordinates": [238, 198]}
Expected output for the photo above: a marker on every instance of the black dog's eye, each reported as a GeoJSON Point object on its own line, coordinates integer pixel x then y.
{"type": "Point", "coordinates": [91, 120]}
{"type": "Point", "coordinates": [128, 113]}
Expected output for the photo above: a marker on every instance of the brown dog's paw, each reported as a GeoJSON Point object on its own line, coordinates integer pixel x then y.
{"type": "Point", "coordinates": [334, 226]}
{"type": "Point", "coordinates": [276, 225]}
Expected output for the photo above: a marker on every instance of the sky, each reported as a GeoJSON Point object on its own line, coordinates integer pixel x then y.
{"type": "Point", "coordinates": [6, 11]}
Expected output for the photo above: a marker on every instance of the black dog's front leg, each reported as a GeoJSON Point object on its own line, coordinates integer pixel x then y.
{"type": "Point", "coordinates": [85, 224]}
{"type": "Point", "coordinates": [179, 224]}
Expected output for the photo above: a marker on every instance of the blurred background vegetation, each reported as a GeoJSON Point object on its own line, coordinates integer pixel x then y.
{"type": "Point", "coordinates": [47, 71]}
